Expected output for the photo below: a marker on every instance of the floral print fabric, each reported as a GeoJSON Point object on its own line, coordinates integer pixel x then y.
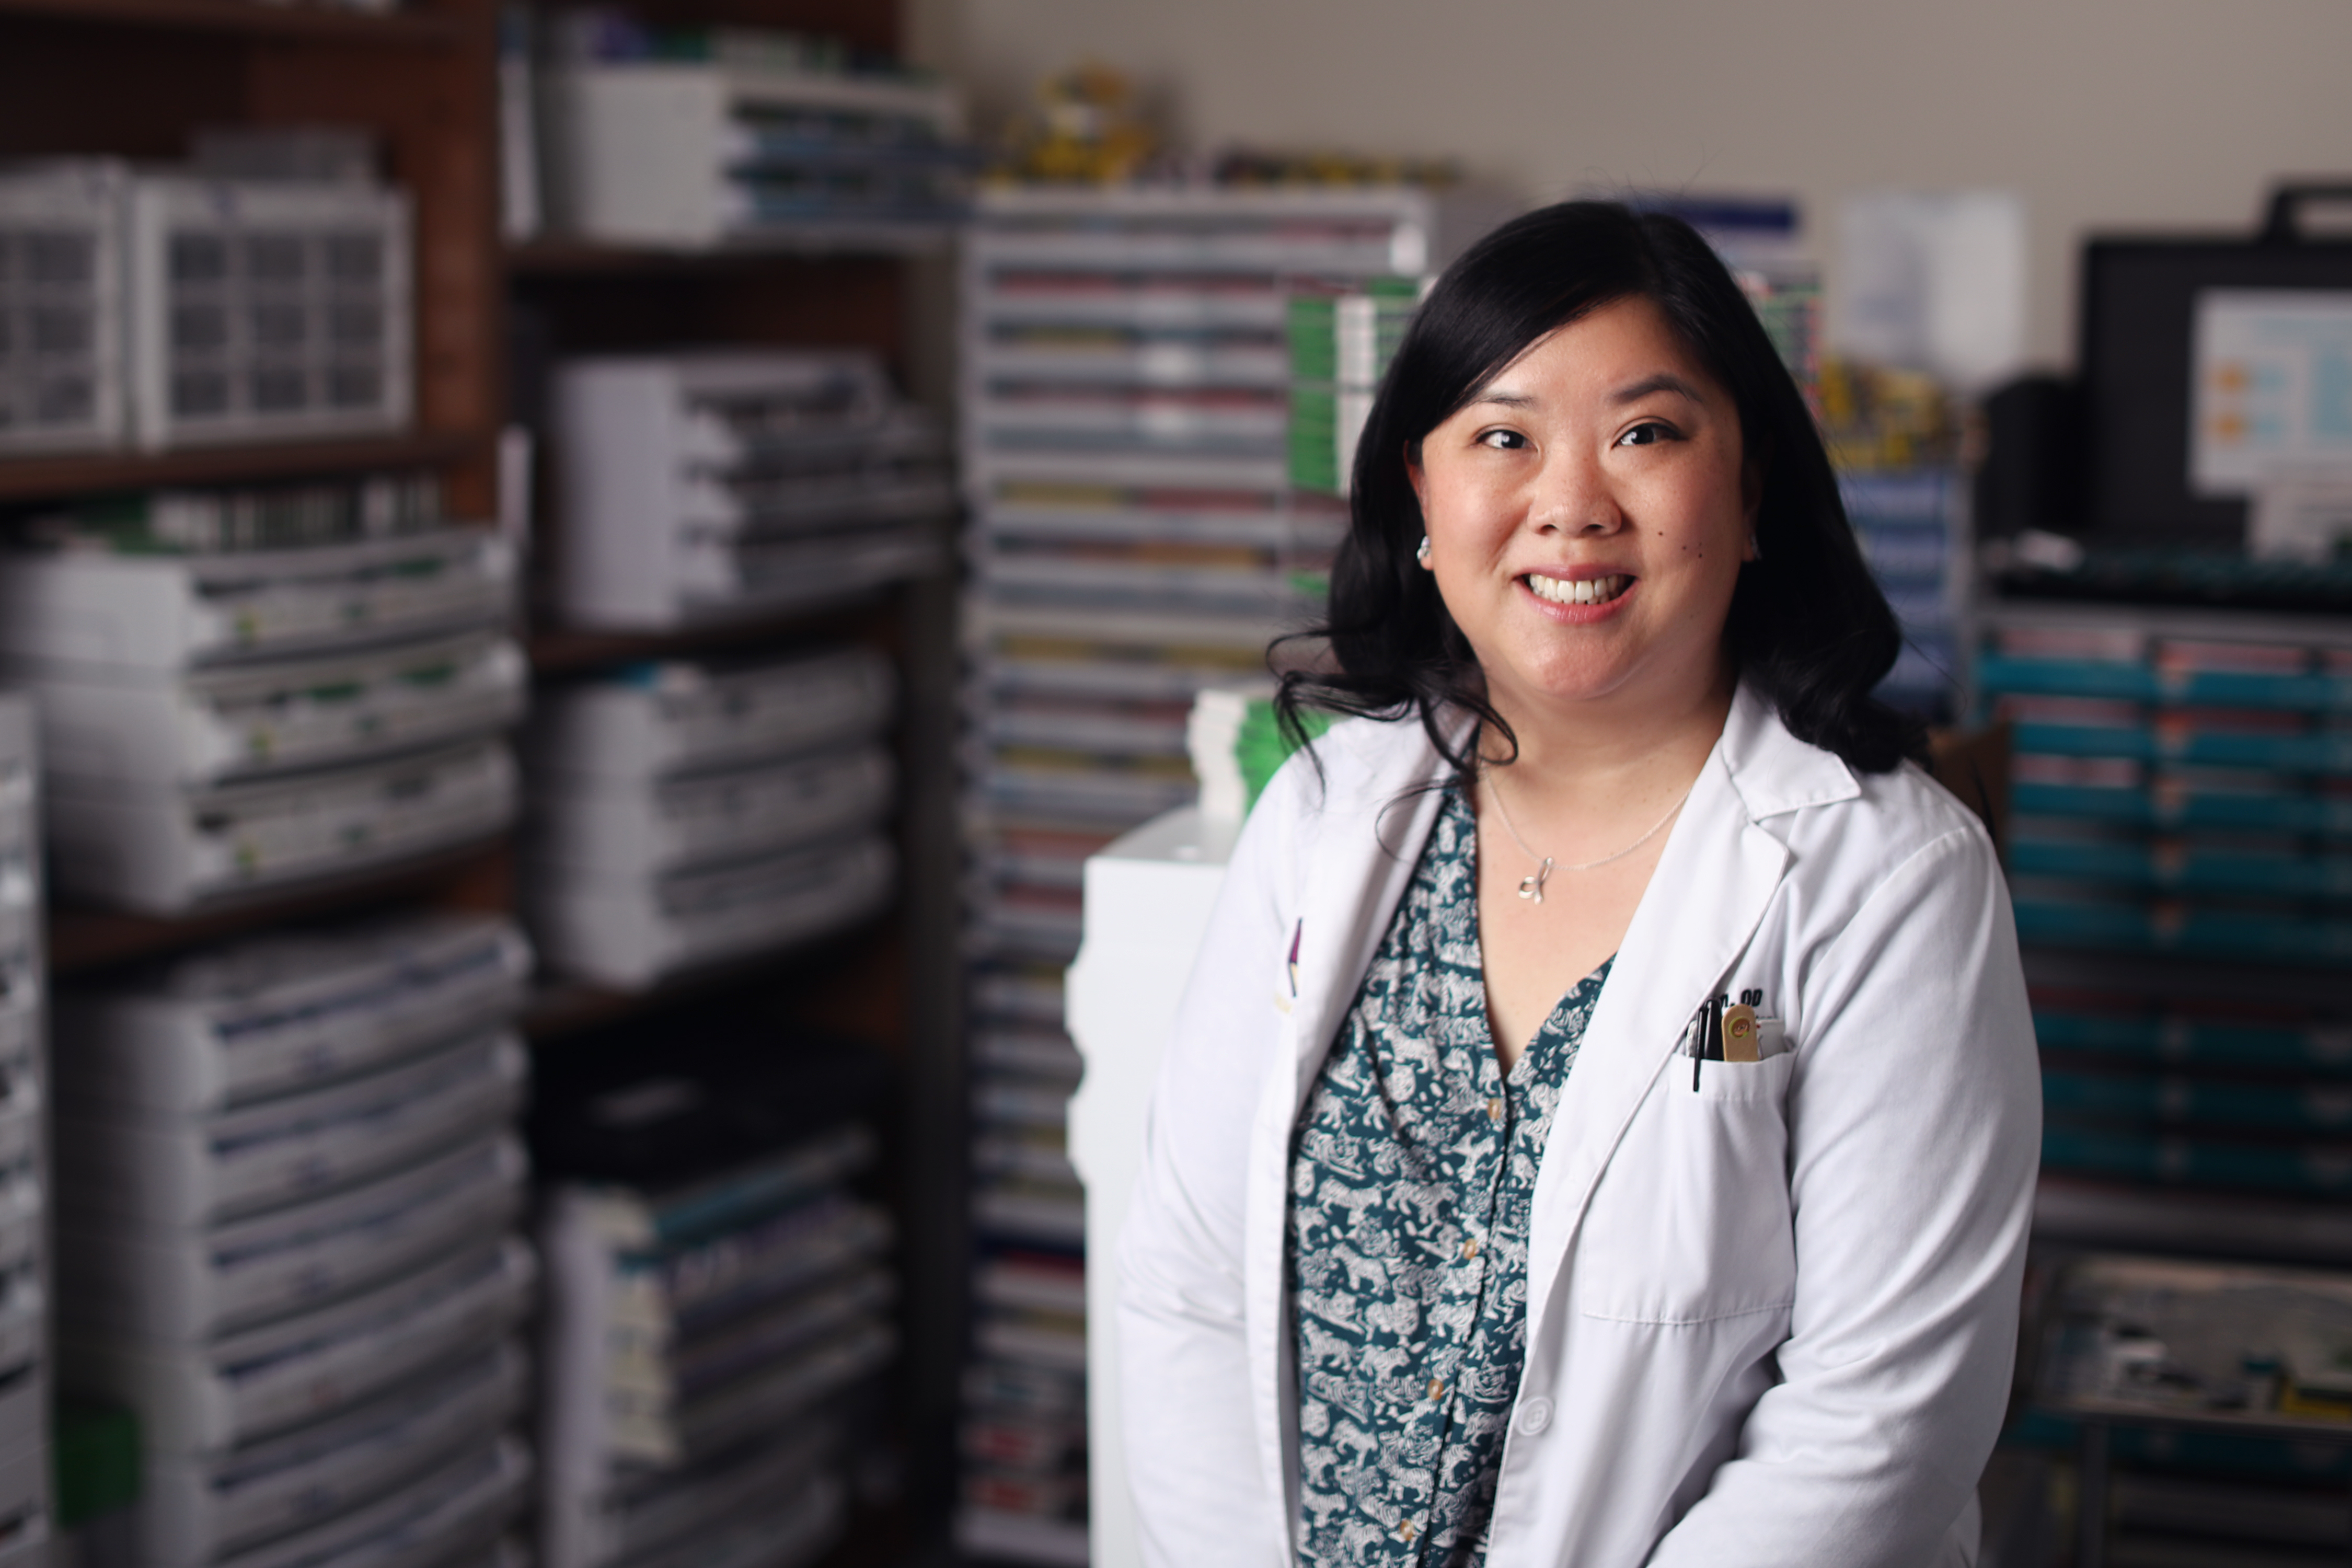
{"type": "Point", "coordinates": [1412, 1173]}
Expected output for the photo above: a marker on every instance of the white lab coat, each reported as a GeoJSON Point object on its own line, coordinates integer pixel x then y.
{"type": "Point", "coordinates": [1769, 1322]}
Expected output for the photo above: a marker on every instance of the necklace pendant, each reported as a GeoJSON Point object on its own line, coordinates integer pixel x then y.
{"type": "Point", "coordinates": [1531, 888]}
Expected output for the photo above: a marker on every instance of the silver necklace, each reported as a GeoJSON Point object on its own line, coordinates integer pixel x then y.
{"type": "Point", "coordinates": [1532, 888]}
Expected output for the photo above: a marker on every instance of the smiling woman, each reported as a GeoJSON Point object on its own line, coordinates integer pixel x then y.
{"type": "Point", "coordinates": [1478, 1225]}
{"type": "Point", "coordinates": [1807, 624]}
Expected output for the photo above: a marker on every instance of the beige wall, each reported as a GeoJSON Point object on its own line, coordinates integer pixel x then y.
{"type": "Point", "coordinates": [2102, 113]}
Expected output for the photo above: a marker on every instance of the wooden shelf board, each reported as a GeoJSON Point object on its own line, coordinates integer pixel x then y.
{"type": "Point", "coordinates": [33, 479]}
{"type": "Point", "coordinates": [84, 940]}
{"type": "Point", "coordinates": [295, 20]}
{"type": "Point", "coordinates": [561, 1006]}
{"type": "Point", "coordinates": [562, 650]}
{"type": "Point", "coordinates": [816, 242]}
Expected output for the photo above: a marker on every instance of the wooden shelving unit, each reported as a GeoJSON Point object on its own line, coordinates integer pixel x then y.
{"type": "Point", "coordinates": [134, 79]}
{"type": "Point", "coordinates": [893, 982]}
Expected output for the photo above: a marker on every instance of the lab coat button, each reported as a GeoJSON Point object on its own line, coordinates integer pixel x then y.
{"type": "Point", "coordinates": [1535, 1416]}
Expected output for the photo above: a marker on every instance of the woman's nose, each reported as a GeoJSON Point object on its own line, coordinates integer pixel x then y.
{"type": "Point", "coordinates": [1573, 496]}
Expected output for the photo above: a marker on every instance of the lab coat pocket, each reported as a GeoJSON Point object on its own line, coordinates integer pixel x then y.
{"type": "Point", "coordinates": [1765, 1081]}
{"type": "Point", "coordinates": [1690, 1222]}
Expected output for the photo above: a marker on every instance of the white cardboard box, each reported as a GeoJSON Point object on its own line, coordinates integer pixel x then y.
{"type": "Point", "coordinates": [188, 1282]}
{"type": "Point", "coordinates": [1147, 901]}
{"type": "Point", "coordinates": [160, 611]}
{"type": "Point", "coordinates": [675, 717]}
{"type": "Point", "coordinates": [208, 1395]}
{"type": "Point", "coordinates": [159, 728]}
{"type": "Point", "coordinates": [168, 1170]}
{"type": "Point", "coordinates": [628, 932]}
{"type": "Point", "coordinates": [700, 484]}
{"type": "Point", "coordinates": [639, 153]}
{"type": "Point", "coordinates": [165, 851]}
{"type": "Point", "coordinates": [269, 1015]}
{"type": "Point", "coordinates": [611, 829]}
{"type": "Point", "coordinates": [198, 1507]}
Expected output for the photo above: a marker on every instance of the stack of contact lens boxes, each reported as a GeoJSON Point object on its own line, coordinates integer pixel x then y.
{"type": "Point", "coordinates": [689, 814]}
{"type": "Point", "coordinates": [726, 483]}
{"type": "Point", "coordinates": [290, 1190]}
{"type": "Point", "coordinates": [245, 690]}
{"type": "Point", "coordinates": [1913, 527]}
{"type": "Point", "coordinates": [721, 1301]}
{"type": "Point", "coordinates": [1131, 418]}
{"type": "Point", "coordinates": [2179, 847]}
{"type": "Point", "coordinates": [27, 1379]}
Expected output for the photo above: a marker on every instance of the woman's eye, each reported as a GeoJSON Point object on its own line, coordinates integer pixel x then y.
{"type": "Point", "coordinates": [1646, 434]}
{"type": "Point", "coordinates": [1502, 441]}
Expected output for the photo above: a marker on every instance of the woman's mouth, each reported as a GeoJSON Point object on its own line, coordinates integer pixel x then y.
{"type": "Point", "coordinates": [1581, 591]}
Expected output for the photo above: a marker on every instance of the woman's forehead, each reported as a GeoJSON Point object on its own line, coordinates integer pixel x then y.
{"type": "Point", "coordinates": [1619, 353]}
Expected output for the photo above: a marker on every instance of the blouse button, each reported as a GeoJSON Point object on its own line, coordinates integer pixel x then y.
{"type": "Point", "coordinates": [1436, 1388]}
{"type": "Point", "coordinates": [1535, 1416]}
{"type": "Point", "coordinates": [1494, 1111]}
{"type": "Point", "coordinates": [1470, 1248]}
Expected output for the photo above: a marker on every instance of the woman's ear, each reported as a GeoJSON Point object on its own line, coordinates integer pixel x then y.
{"type": "Point", "coordinates": [1414, 476]}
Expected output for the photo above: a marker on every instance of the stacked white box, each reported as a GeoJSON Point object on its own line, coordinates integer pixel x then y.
{"type": "Point", "coordinates": [288, 1240]}
{"type": "Point", "coordinates": [223, 722]}
{"type": "Point", "coordinates": [693, 155]}
{"type": "Point", "coordinates": [26, 1291]}
{"type": "Point", "coordinates": [1124, 451]}
{"type": "Point", "coordinates": [687, 814]}
{"type": "Point", "coordinates": [62, 312]}
{"type": "Point", "coordinates": [268, 310]}
{"type": "Point", "coordinates": [698, 486]}
{"type": "Point", "coordinates": [165, 310]}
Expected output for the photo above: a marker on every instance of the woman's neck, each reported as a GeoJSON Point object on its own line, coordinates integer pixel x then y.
{"type": "Point", "coordinates": [1582, 755]}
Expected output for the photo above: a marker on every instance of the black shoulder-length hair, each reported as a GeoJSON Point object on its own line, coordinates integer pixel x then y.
{"type": "Point", "coordinates": [1808, 627]}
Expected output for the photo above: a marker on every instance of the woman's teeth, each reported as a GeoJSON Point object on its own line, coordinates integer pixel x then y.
{"type": "Point", "coordinates": [1583, 591]}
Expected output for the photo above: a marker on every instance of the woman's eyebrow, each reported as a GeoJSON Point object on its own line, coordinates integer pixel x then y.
{"type": "Point", "coordinates": [1664, 380]}
{"type": "Point", "coordinates": [1507, 399]}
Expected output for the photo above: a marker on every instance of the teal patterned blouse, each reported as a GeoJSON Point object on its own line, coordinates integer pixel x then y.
{"type": "Point", "coordinates": [1412, 1176]}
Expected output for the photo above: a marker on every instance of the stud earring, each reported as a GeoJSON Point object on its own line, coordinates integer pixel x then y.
{"type": "Point", "coordinates": [1420, 551]}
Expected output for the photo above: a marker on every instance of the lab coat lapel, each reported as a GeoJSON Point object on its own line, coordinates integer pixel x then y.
{"type": "Point", "coordinates": [1718, 876]}
{"type": "Point", "coordinates": [1365, 848]}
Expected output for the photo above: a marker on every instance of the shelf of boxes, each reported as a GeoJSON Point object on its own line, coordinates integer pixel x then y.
{"type": "Point", "coordinates": [2179, 849]}
{"type": "Point", "coordinates": [699, 488]}
{"type": "Point", "coordinates": [689, 814]}
{"type": "Point", "coordinates": [1914, 528]}
{"type": "Point", "coordinates": [288, 1207]}
{"type": "Point", "coordinates": [252, 690]}
{"type": "Point", "coordinates": [1126, 419]}
{"type": "Point", "coordinates": [721, 1304]}
{"type": "Point", "coordinates": [27, 1291]}
{"type": "Point", "coordinates": [706, 155]}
